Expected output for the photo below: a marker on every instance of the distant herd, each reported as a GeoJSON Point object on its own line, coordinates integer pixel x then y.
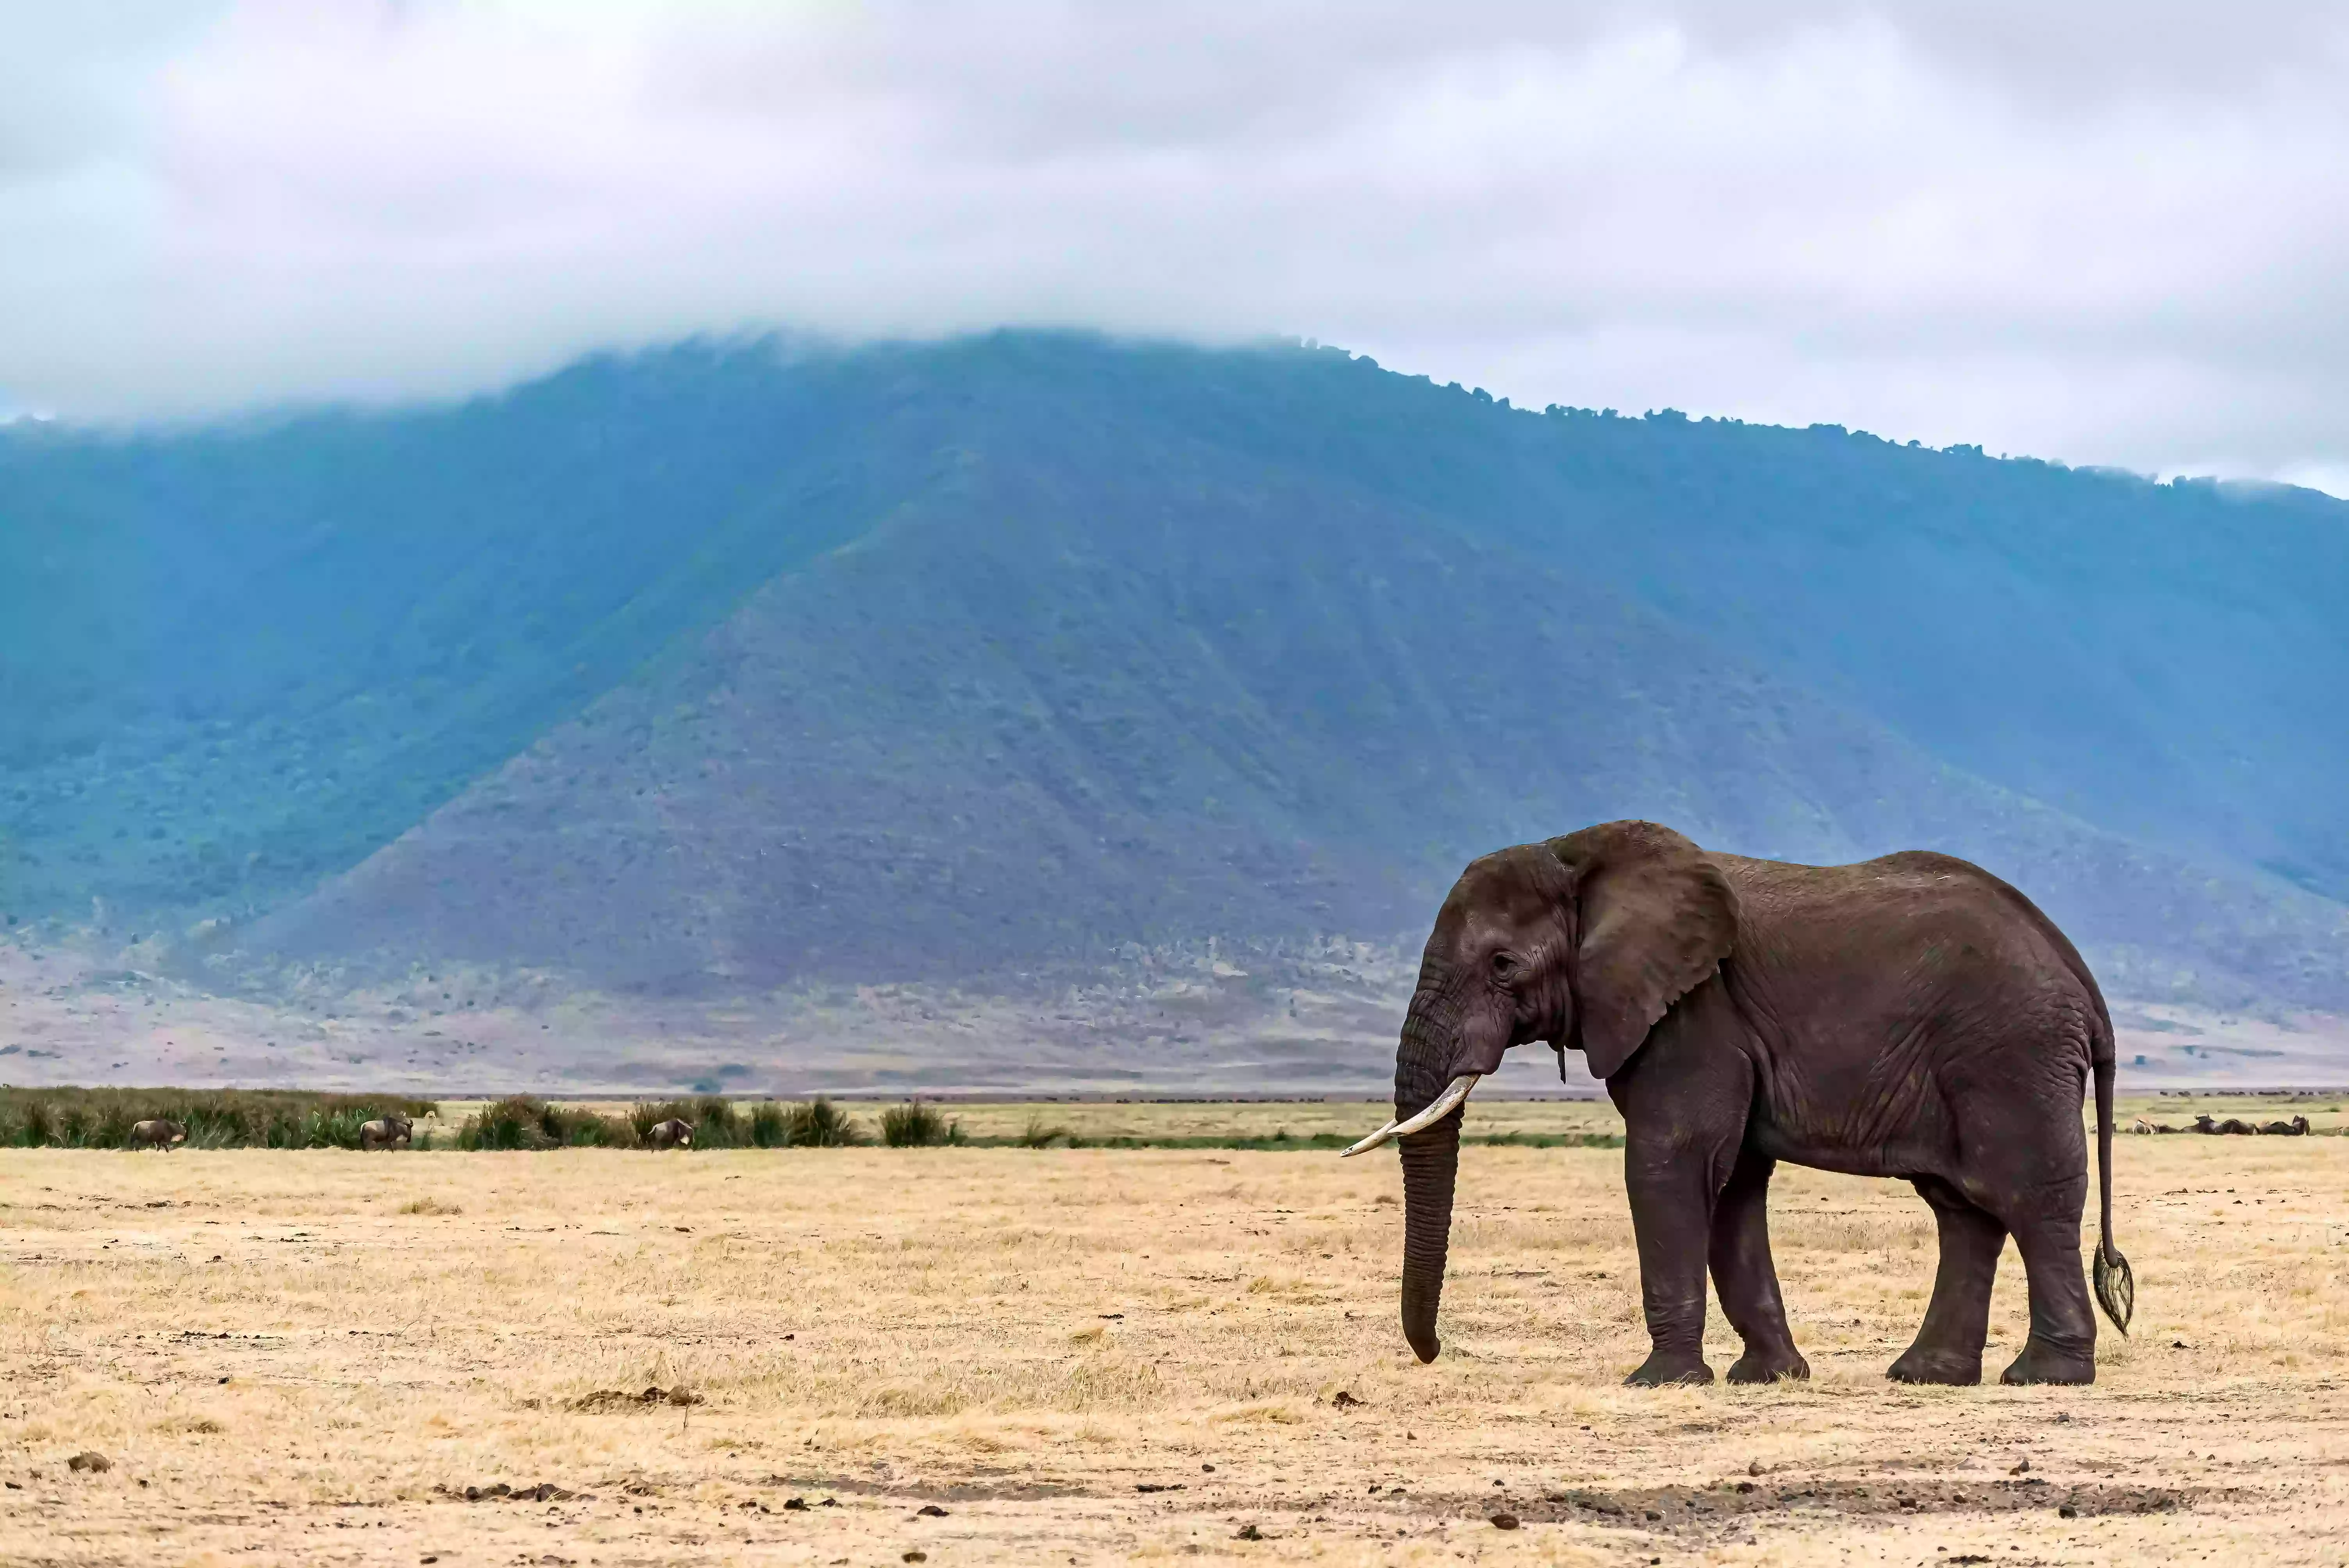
{"type": "Point", "coordinates": [395, 1131]}
{"type": "Point", "coordinates": [388, 1133]}
{"type": "Point", "coordinates": [2296, 1128]}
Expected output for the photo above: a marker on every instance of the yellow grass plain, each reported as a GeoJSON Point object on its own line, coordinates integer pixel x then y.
{"type": "Point", "coordinates": [1090, 1355]}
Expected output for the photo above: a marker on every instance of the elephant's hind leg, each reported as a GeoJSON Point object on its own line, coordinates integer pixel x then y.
{"type": "Point", "coordinates": [2063, 1344]}
{"type": "Point", "coordinates": [1949, 1347]}
{"type": "Point", "coordinates": [1745, 1279]}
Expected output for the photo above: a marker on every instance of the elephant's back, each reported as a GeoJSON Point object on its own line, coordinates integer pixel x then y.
{"type": "Point", "coordinates": [1931, 916]}
{"type": "Point", "coordinates": [1914, 883]}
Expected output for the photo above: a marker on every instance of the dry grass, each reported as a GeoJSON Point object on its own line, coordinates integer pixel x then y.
{"type": "Point", "coordinates": [308, 1356]}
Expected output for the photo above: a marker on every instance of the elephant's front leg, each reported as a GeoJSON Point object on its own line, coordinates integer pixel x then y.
{"type": "Point", "coordinates": [1745, 1278]}
{"type": "Point", "coordinates": [1672, 1192]}
{"type": "Point", "coordinates": [1684, 1101]}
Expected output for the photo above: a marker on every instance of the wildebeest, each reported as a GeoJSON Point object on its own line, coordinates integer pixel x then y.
{"type": "Point", "coordinates": [2232, 1126]}
{"type": "Point", "coordinates": [2297, 1127]}
{"type": "Point", "coordinates": [670, 1134]}
{"type": "Point", "coordinates": [157, 1132]}
{"type": "Point", "coordinates": [387, 1132]}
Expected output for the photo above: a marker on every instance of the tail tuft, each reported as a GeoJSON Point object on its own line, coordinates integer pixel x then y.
{"type": "Point", "coordinates": [2116, 1286]}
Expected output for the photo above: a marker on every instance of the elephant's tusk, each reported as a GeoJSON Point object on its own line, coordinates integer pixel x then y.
{"type": "Point", "coordinates": [1440, 1107]}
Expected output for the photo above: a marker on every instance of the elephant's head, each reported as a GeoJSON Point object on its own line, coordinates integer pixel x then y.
{"type": "Point", "coordinates": [1583, 940]}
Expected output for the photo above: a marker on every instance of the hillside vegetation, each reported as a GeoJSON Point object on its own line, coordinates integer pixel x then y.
{"type": "Point", "coordinates": [716, 668]}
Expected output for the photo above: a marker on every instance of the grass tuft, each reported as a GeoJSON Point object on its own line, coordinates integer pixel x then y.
{"type": "Point", "coordinates": [1040, 1136]}
{"type": "Point", "coordinates": [820, 1124]}
{"type": "Point", "coordinates": [523, 1121]}
{"type": "Point", "coordinates": [916, 1126]}
{"type": "Point", "coordinates": [770, 1127]}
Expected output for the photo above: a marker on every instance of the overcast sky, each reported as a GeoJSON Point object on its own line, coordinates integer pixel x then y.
{"type": "Point", "coordinates": [2118, 236]}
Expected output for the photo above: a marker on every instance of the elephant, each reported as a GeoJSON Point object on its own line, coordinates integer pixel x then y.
{"type": "Point", "coordinates": [670, 1134]}
{"type": "Point", "coordinates": [387, 1132]}
{"type": "Point", "coordinates": [1909, 1016]}
{"type": "Point", "coordinates": [157, 1133]}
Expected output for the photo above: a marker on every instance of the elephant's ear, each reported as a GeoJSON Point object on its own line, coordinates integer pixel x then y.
{"type": "Point", "coordinates": [1657, 918]}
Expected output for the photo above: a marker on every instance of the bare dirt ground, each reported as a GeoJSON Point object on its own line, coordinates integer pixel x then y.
{"type": "Point", "coordinates": [1091, 1355]}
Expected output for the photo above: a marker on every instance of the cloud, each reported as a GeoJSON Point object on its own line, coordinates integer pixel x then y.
{"type": "Point", "coordinates": [2118, 234]}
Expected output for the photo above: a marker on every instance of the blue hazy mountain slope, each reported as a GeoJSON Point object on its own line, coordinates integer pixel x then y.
{"type": "Point", "coordinates": [2168, 661]}
{"type": "Point", "coordinates": [1264, 706]}
{"type": "Point", "coordinates": [236, 663]}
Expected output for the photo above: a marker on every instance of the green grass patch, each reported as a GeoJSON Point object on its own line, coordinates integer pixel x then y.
{"type": "Point", "coordinates": [280, 1118]}
{"type": "Point", "coordinates": [215, 1118]}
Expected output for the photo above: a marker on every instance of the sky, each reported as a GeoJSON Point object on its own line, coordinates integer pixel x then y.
{"type": "Point", "coordinates": [2118, 234]}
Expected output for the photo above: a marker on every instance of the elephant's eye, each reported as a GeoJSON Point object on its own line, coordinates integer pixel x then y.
{"type": "Point", "coordinates": [1504, 966]}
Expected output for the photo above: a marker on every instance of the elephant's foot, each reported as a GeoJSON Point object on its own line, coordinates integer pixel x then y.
{"type": "Point", "coordinates": [1664, 1366]}
{"type": "Point", "coordinates": [2043, 1363]}
{"type": "Point", "coordinates": [1759, 1366]}
{"type": "Point", "coordinates": [1919, 1363]}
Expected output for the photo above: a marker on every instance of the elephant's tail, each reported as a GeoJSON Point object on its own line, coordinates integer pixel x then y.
{"type": "Point", "coordinates": [2116, 1285]}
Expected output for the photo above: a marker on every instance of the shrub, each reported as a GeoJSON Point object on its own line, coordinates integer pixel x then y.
{"type": "Point", "coordinates": [524, 1121]}
{"type": "Point", "coordinates": [113, 1129]}
{"type": "Point", "coordinates": [916, 1126]}
{"type": "Point", "coordinates": [517, 1121]}
{"type": "Point", "coordinates": [35, 1125]}
{"type": "Point", "coordinates": [585, 1129]}
{"type": "Point", "coordinates": [1038, 1136]}
{"type": "Point", "coordinates": [336, 1129]}
{"type": "Point", "coordinates": [714, 1122]}
{"type": "Point", "coordinates": [720, 1123]}
{"type": "Point", "coordinates": [769, 1128]}
{"type": "Point", "coordinates": [820, 1124]}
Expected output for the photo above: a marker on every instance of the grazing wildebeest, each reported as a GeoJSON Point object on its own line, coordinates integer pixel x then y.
{"type": "Point", "coordinates": [670, 1134]}
{"type": "Point", "coordinates": [2231, 1128]}
{"type": "Point", "coordinates": [387, 1132]}
{"type": "Point", "coordinates": [1911, 1016]}
{"type": "Point", "coordinates": [2296, 1128]}
{"type": "Point", "coordinates": [157, 1133]}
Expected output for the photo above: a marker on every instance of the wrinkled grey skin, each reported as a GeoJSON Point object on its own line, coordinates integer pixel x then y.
{"type": "Point", "coordinates": [387, 1132]}
{"type": "Point", "coordinates": [157, 1133]}
{"type": "Point", "coordinates": [670, 1134]}
{"type": "Point", "coordinates": [1909, 1016]}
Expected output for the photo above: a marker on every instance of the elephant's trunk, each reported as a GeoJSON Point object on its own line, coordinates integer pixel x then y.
{"type": "Point", "coordinates": [1431, 1163]}
{"type": "Point", "coordinates": [1431, 1166]}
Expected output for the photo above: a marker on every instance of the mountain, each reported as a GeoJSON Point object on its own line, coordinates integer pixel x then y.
{"type": "Point", "coordinates": [731, 668]}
